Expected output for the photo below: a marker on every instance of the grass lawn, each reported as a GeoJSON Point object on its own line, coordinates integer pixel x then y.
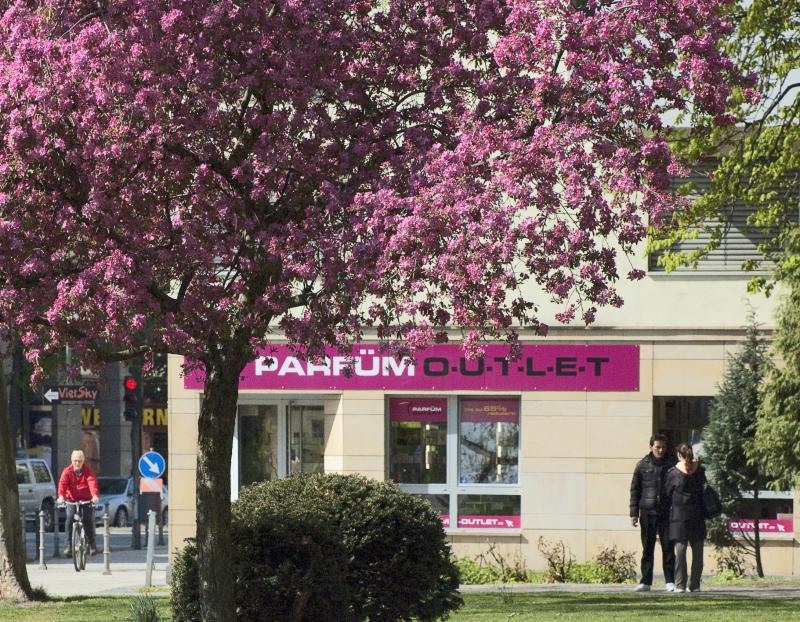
{"type": "Point", "coordinates": [549, 606]}
{"type": "Point", "coordinates": [530, 607]}
{"type": "Point", "coordinates": [78, 609]}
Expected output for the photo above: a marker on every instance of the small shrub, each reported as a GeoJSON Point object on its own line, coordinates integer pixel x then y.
{"type": "Point", "coordinates": [609, 566]}
{"type": "Point", "coordinates": [143, 609]}
{"type": "Point", "coordinates": [492, 566]}
{"type": "Point", "coordinates": [730, 561]}
{"type": "Point", "coordinates": [511, 568]}
{"type": "Point", "coordinates": [618, 566]}
{"type": "Point", "coordinates": [475, 572]}
{"type": "Point", "coordinates": [588, 572]}
{"type": "Point", "coordinates": [559, 560]}
{"type": "Point", "coordinates": [185, 594]}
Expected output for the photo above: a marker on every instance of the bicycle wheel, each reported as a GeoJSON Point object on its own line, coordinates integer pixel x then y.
{"type": "Point", "coordinates": [77, 534]}
{"type": "Point", "coordinates": [84, 547]}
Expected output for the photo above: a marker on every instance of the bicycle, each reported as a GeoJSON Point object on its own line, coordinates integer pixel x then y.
{"type": "Point", "coordinates": [79, 544]}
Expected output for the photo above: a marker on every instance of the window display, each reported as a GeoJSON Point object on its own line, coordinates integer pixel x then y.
{"type": "Point", "coordinates": [488, 441]}
{"type": "Point", "coordinates": [418, 440]}
{"type": "Point", "coordinates": [258, 439]}
{"type": "Point", "coordinates": [462, 454]}
{"type": "Point", "coordinates": [306, 439]}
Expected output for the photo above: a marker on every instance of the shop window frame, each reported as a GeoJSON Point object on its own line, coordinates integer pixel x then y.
{"type": "Point", "coordinates": [452, 487]}
{"type": "Point", "coordinates": [283, 403]}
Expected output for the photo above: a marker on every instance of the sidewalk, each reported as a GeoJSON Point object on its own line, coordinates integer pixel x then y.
{"type": "Point", "coordinates": [127, 569]}
{"type": "Point", "coordinates": [748, 591]}
{"type": "Point", "coordinates": [128, 577]}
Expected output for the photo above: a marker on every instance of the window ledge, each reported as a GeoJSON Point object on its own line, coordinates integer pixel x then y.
{"type": "Point", "coordinates": [784, 537]}
{"type": "Point", "coordinates": [513, 533]}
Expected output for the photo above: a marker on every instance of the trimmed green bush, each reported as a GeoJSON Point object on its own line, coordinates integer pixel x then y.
{"type": "Point", "coordinates": [288, 563]}
{"type": "Point", "coordinates": [399, 565]}
{"type": "Point", "coordinates": [331, 547]}
{"type": "Point", "coordinates": [185, 584]}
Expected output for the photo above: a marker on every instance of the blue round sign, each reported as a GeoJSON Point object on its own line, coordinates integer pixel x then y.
{"type": "Point", "coordinates": [151, 464]}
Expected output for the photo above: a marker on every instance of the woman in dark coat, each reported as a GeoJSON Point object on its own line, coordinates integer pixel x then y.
{"type": "Point", "coordinates": [687, 521]}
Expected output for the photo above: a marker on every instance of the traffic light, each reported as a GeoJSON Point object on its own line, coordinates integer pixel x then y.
{"type": "Point", "coordinates": [131, 399]}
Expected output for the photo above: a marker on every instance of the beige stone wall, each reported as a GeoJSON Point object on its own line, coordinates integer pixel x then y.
{"type": "Point", "coordinates": [184, 409]}
{"type": "Point", "coordinates": [354, 434]}
{"type": "Point", "coordinates": [578, 451]}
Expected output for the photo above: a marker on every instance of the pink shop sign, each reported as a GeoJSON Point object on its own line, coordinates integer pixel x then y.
{"type": "Point", "coordinates": [419, 409]}
{"type": "Point", "coordinates": [765, 525]}
{"type": "Point", "coordinates": [550, 367]}
{"type": "Point", "coordinates": [483, 522]}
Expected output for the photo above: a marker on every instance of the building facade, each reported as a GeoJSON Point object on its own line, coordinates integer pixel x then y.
{"type": "Point", "coordinates": [507, 452]}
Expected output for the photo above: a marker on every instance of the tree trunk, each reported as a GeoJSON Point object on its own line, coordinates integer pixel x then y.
{"type": "Point", "coordinates": [757, 536]}
{"type": "Point", "coordinates": [14, 583]}
{"type": "Point", "coordinates": [215, 442]}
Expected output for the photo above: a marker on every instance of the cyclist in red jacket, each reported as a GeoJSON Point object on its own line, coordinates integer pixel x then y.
{"type": "Point", "coordinates": [79, 483]}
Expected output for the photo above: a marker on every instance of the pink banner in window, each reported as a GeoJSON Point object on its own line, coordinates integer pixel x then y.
{"type": "Point", "coordinates": [483, 522]}
{"type": "Point", "coordinates": [489, 411]}
{"type": "Point", "coordinates": [422, 409]}
{"type": "Point", "coordinates": [765, 525]}
{"type": "Point", "coordinates": [550, 367]}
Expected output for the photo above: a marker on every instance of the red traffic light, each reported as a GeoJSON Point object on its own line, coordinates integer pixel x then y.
{"type": "Point", "coordinates": [130, 383]}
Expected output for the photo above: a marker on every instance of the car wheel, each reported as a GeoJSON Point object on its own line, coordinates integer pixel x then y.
{"type": "Point", "coordinates": [47, 508]}
{"type": "Point", "coordinates": [121, 518]}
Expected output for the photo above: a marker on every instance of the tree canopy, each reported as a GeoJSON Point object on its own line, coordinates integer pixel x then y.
{"type": "Point", "coordinates": [204, 176]}
{"type": "Point", "coordinates": [777, 440]}
{"type": "Point", "coordinates": [174, 172]}
{"type": "Point", "coordinates": [755, 160]}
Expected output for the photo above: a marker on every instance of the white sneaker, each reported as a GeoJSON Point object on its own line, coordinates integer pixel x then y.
{"type": "Point", "coordinates": [642, 587]}
{"type": "Point", "coordinates": [670, 587]}
{"type": "Point", "coordinates": [697, 589]}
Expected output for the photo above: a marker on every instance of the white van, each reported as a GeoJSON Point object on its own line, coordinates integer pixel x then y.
{"type": "Point", "coordinates": [37, 489]}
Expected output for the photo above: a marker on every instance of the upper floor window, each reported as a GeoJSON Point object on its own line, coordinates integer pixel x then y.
{"type": "Point", "coordinates": [738, 243]}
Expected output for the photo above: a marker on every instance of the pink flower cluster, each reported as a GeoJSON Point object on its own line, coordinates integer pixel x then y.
{"type": "Point", "coordinates": [184, 174]}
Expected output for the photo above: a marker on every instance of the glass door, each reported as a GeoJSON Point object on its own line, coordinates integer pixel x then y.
{"type": "Point", "coordinates": [306, 438]}
{"type": "Point", "coordinates": [259, 443]}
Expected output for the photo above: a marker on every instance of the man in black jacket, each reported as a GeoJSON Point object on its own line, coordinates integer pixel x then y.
{"type": "Point", "coordinates": [650, 509]}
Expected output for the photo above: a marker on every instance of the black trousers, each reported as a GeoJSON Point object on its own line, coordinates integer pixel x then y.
{"type": "Point", "coordinates": [87, 514]}
{"type": "Point", "coordinates": [652, 526]}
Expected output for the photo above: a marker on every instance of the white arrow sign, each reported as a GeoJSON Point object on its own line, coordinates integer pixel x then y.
{"type": "Point", "coordinates": [152, 466]}
{"type": "Point", "coordinates": [51, 395]}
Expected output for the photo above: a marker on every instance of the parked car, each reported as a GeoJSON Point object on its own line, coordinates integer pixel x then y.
{"type": "Point", "coordinates": [116, 497]}
{"type": "Point", "coordinates": [37, 489]}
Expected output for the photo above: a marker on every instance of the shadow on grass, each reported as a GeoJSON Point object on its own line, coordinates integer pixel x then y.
{"type": "Point", "coordinates": [596, 606]}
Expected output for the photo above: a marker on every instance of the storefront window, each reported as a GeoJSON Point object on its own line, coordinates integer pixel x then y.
{"type": "Point", "coordinates": [306, 439]}
{"type": "Point", "coordinates": [488, 441]}
{"type": "Point", "coordinates": [681, 418]}
{"type": "Point", "coordinates": [494, 511]}
{"type": "Point", "coordinates": [461, 454]}
{"type": "Point", "coordinates": [418, 440]}
{"type": "Point", "coordinates": [258, 443]}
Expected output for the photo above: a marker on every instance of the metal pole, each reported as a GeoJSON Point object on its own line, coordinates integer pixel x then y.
{"type": "Point", "coordinates": [160, 525]}
{"type": "Point", "coordinates": [42, 565]}
{"type": "Point", "coordinates": [56, 529]}
{"type": "Point", "coordinates": [106, 544]}
{"type": "Point", "coordinates": [151, 544]}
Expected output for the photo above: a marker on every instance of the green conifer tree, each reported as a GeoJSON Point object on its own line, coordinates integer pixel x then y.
{"type": "Point", "coordinates": [730, 435]}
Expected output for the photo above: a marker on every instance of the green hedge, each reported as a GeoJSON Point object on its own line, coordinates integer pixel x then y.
{"type": "Point", "coordinates": [331, 547]}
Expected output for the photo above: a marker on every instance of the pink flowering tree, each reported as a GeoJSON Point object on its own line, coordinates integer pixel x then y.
{"type": "Point", "coordinates": [204, 176]}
